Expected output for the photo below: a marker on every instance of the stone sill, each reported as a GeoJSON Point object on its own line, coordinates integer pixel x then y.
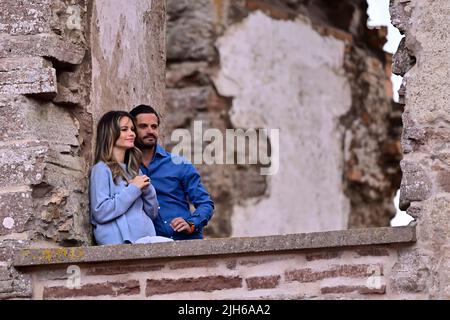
{"type": "Point", "coordinates": [221, 246]}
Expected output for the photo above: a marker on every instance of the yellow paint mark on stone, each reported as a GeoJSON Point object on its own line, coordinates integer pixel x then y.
{"type": "Point", "coordinates": [47, 255]}
{"type": "Point", "coordinates": [76, 253]}
{"type": "Point", "coordinates": [26, 253]}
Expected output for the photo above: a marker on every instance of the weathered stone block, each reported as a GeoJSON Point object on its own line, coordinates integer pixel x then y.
{"type": "Point", "coordinates": [187, 74]}
{"type": "Point", "coordinates": [190, 30]}
{"type": "Point", "coordinates": [403, 60]}
{"type": "Point", "coordinates": [414, 135]}
{"type": "Point", "coordinates": [416, 185]}
{"type": "Point", "coordinates": [6, 286]}
{"type": "Point", "coordinates": [13, 64]}
{"type": "Point", "coordinates": [400, 11]}
{"type": "Point", "coordinates": [25, 17]}
{"type": "Point", "coordinates": [66, 96]}
{"type": "Point", "coordinates": [16, 209]}
{"type": "Point", "coordinates": [4, 274]}
{"type": "Point", "coordinates": [22, 164]}
{"type": "Point", "coordinates": [44, 45]}
{"type": "Point", "coordinates": [412, 272]}
{"type": "Point", "coordinates": [30, 81]}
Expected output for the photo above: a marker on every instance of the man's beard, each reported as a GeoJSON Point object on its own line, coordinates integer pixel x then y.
{"type": "Point", "coordinates": [141, 144]}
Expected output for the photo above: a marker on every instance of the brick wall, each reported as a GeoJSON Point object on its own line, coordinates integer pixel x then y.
{"type": "Point", "coordinates": [356, 264]}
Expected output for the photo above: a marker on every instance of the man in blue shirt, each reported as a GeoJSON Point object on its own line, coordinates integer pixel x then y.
{"type": "Point", "coordinates": [176, 182]}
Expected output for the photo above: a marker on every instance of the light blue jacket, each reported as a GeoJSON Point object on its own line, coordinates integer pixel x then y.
{"type": "Point", "coordinates": [120, 213]}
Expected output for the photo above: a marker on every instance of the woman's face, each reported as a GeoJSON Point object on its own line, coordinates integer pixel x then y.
{"type": "Point", "coordinates": [127, 134]}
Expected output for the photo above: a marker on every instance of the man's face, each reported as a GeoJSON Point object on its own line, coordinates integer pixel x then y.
{"type": "Point", "coordinates": [147, 130]}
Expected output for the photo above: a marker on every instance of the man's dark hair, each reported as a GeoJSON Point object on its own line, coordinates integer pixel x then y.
{"type": "Point", "coordinates": [143, 108]}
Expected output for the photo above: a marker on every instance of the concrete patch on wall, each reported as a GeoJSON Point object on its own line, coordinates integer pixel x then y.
{"type": "Point", "coordinates": [296, 84]}
{"type": "Point", "coordinates": [127, 55]}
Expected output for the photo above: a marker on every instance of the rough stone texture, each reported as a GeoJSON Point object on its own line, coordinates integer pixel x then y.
{"type": "Point", "coordinates": [330, 239]}
{"type": "Point", "coordinates": [403, 61]}
{"type": "Point", "coordinates": [425, 140]}
{"type": "Point", "coordinates": [34, 81]}
{"type": "Point", "coordinates": [128, 55]}
{"type": "Point", "coordinates": [20, 17]}
{"type": "Point", "coordinates": [45, 45]}
{"type": "Point", "coordinates": [13, 284]}
{"type": "Point", "coordinates": [217, 74]}
{"type": "Point", "coordinates": [416, 185]}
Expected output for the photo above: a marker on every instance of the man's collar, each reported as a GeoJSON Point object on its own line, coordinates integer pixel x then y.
{"type": "Point", "coordinates": [160, 151]}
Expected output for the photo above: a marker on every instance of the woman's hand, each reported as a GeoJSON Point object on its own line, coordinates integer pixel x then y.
{"type": "Point", "coordinates": [141, 181]}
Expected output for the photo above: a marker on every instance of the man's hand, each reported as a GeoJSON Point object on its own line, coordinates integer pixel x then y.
{"type": "Point", "coordinates": [180, 225]}
{"type": "Point", "coordinates": [141, 181]}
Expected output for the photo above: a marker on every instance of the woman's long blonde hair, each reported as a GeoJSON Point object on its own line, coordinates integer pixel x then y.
{"type": "Point", "coordinates": [108, 131]}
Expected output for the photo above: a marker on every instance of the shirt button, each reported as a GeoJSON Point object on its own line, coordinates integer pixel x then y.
{"type": "Point", "coordinates": [159, 207]}
{"type": "Point", "coordinates": [165, 221]}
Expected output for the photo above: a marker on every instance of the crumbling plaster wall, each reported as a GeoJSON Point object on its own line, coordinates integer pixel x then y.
{"type": "Point", "coordinates": [128, 55]}
{"type": "Point", "coordinates": [423, 60]}
{"type": "Point", "coordinates": [314, 71]}
{"type": "Point", "coordinates": [276, 82]}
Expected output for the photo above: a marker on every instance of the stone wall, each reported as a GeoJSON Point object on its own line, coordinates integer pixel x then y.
{"type": "Point", "coordinates": [351, 264]}
{"type": "Point", "coordinates": [53, 89]}
{"type": "Point", "coordinates": [422, 59]}
{"type": "Point", "coordinates": [237, 64]}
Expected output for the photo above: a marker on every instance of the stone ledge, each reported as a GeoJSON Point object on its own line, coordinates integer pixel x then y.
{"type": "Point", "coordinates": [43, 45]}
{"type": "Point", "coordinates": [222, 246]}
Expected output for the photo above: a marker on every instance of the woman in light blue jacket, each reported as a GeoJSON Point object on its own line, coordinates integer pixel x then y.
{"type": "Point", "coordinates": [122, 200]}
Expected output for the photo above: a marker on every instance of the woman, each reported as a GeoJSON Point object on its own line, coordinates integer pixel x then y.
{"type": "Point", "coordinates": [122, 200]}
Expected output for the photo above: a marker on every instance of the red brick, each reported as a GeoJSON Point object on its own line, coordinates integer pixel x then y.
{"type": "Point", "coordinates": [130, 287]}
{"type": "Point", "coordinates": [333, 32]}
{"type": "Point", "coordinates": [193, 264]}
{"type": "Point", "coordinates": [258, 261]}
{"type": "Point", "coordinates": [373, 251]}
{"type": "Point", "coordinates": [309, 275]}
{"type": "Point", "coordinates": [348, 289]}
{"type": "Point", "coordinates": [208, 284]}
{"type": "Point", "coordinates": [323, 255]}
{"type": "Point", "coordinates": [276, 12]}
{"type": "Point", "coordinates": [267, 282]}
{"type": "Point", "coordinates": [109, 270]}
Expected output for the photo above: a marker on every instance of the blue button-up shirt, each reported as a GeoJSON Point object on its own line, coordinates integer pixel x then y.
{"type": "Point", "coordinates": [177, 182]}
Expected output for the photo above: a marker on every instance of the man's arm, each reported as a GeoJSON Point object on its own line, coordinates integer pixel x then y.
{"type": "Point", "coordinates": [199, 197]}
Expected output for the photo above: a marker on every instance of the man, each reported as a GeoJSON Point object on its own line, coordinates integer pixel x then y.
{"type": "Point", "coordinates": [175, 182]}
